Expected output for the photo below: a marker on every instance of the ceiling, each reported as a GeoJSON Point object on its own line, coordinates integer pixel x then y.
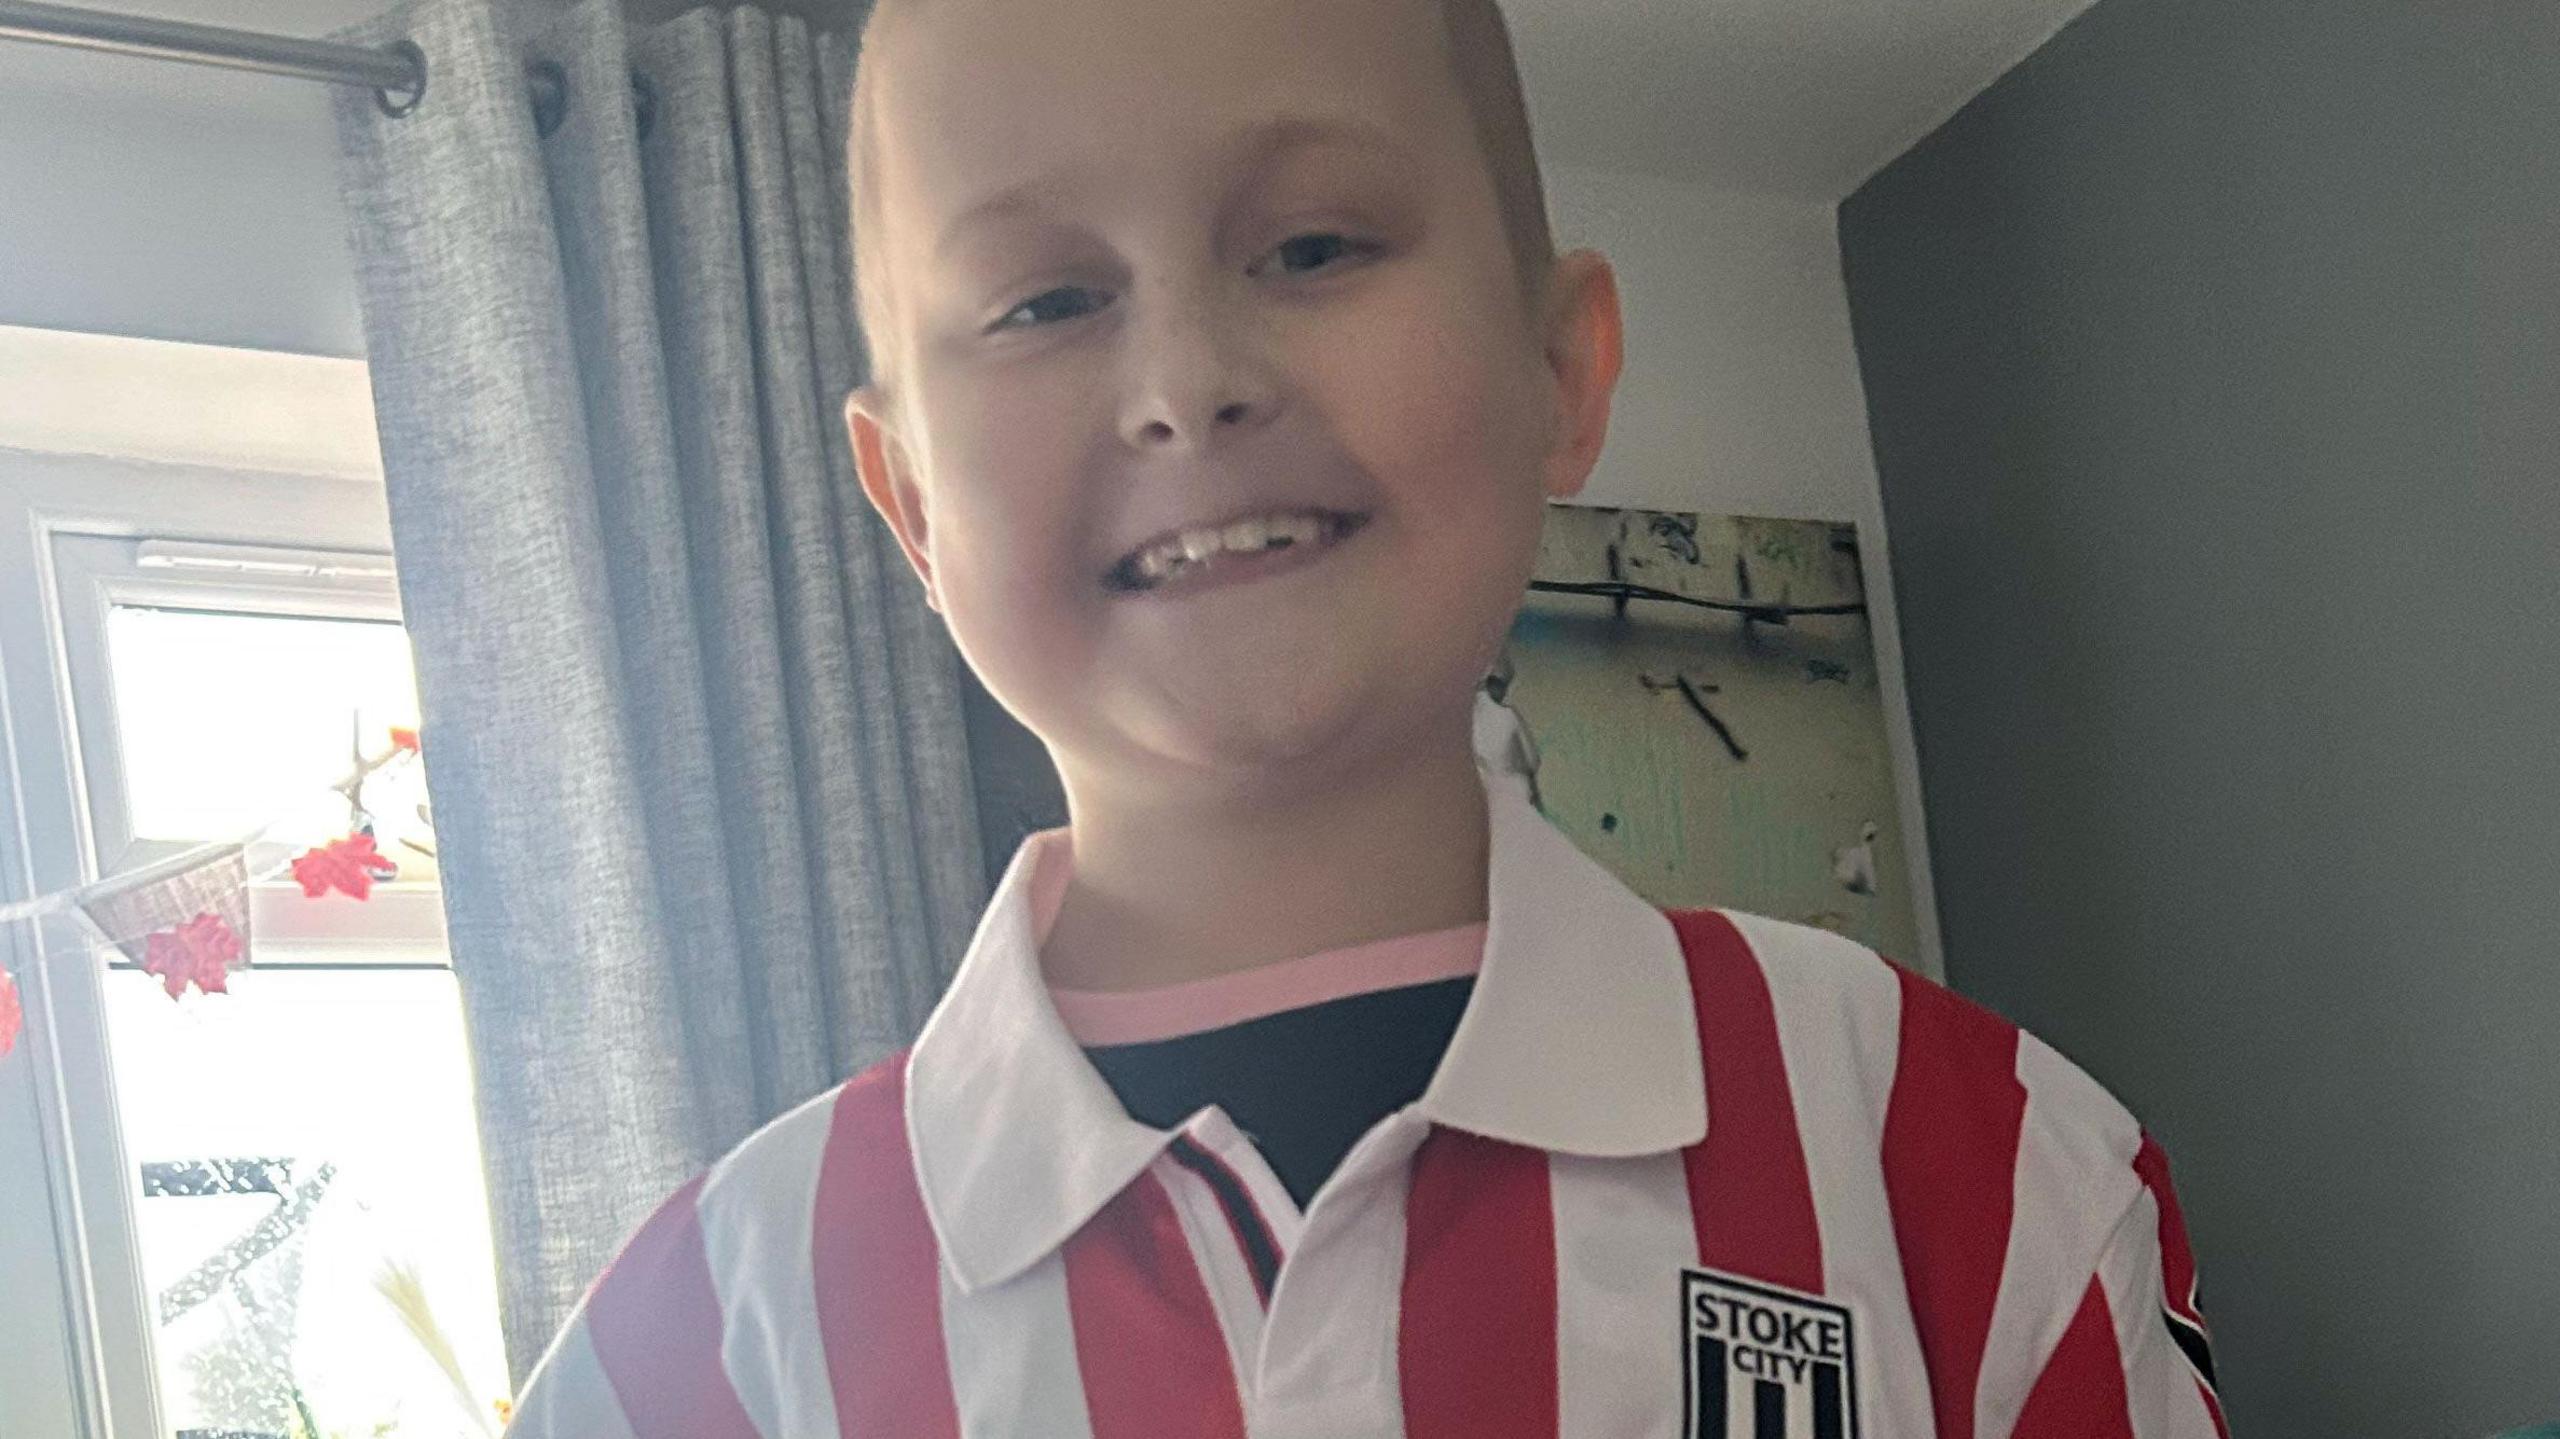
{"type": "Point", "coordinates": [1796, 97]}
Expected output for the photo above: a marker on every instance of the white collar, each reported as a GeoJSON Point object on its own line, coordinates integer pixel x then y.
{"type": "Point", "coordinates": [1579, 1038]}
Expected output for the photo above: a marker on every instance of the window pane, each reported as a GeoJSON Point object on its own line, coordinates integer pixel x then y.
{"type": "Point", "coordinates": [228, 721]}
{"type": "Point", "coordinates": [269, 1302]}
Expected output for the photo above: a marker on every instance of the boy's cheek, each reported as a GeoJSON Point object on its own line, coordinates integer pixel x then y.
{"type": "Point", "coordinates": [1425, 366]}
{"type": "Point", "coordinates": [1016, 570]}
{"type": "Point", "coordinates": [998, 439]}
{"type": "Point", "coordinates": [1022, 643]}
{"type": "Point", "coordinates": [1434, 421]}
{"type": "Point", "coordinates": [1005, 556]}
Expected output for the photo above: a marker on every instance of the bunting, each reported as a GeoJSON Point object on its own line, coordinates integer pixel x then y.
{"type": "Point", "coordinates": [186, 920]}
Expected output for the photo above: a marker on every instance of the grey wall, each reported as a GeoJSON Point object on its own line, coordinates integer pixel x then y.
{"type": "Point", "coordinates": [2214, 366]}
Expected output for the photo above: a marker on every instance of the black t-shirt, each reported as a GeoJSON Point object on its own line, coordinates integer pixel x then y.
{"type": "Point", "coordinates": [1305, 1083]}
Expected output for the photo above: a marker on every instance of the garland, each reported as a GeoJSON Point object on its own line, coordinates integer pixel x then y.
{"type": "Point", "coordinates": [186, 921]}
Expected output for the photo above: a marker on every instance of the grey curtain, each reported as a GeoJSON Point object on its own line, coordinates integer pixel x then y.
{"type": "Point", "coordinates": [696, 749]}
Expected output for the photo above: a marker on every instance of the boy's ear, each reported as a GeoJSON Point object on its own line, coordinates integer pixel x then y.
{"type": "Point", "coordinates": [888, 477]}
{"type": "Point", "coordinates": [1586, 341]}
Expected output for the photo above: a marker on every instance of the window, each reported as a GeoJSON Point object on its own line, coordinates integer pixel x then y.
{"type": "Point", "coordinates": [297, 695]}
{"type": "Point", "coordinates": [260, 1200]}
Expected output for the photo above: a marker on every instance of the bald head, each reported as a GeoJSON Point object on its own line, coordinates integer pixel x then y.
{"type": "Point", "coordinates": [1481, 63]}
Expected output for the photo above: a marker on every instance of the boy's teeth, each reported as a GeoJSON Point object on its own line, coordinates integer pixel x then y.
{"type": "Point", "coordinates": [1160, 562]}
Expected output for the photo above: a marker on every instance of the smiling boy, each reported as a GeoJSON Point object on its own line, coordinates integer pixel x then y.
{"type": "Point", "coordinates": [1308, 1082]}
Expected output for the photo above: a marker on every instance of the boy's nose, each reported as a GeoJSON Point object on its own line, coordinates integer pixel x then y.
{"type": "Point", "coordinates": [1194, 381]}
{"type": "Point", "coordinates": [1160, 430]}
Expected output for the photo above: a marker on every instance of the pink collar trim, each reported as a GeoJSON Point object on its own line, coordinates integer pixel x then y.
{"type": "Point", "coordinates": [1142, 1016]}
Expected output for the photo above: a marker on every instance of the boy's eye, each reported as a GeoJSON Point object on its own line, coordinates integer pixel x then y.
{"type": "Point", "coordinates": [1297, 255]}
{"type": "Point", "coordinates": [1313, 251]}
{"type": "Point", "coordinates": [1049, 307]}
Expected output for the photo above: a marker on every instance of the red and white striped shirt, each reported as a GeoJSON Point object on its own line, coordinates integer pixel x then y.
{"type": "Point", "coordinates": [1703, 1175]}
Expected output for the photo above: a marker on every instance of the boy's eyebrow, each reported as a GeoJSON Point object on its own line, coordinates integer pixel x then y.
{"type": "Point", "coordinates": [1266, 142]}
{"type": "Point", "coordinates": [1023, 199]}
{"type": "Point", "coordinates": [1257, 147]}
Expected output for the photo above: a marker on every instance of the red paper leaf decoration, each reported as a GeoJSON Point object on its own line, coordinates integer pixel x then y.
{"type": "Point", "coordinates": [199, 952]}
{"type": "Point", "coordinates": [13, 1015]}
{"type": "Point", "coordinates": [404, 739]}
{"type": "Point", "coordinates": [351, 864]}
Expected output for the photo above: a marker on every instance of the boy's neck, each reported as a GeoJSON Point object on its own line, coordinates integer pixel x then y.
{"type": "Point", "coordinates": [1164, 894]}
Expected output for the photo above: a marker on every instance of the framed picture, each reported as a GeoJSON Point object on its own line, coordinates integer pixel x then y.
{"type": "Point", "coordinates": [1695, 700]}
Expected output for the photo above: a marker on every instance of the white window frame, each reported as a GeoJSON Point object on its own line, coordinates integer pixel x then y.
{"type": "Point", "coordinates": [131, 441]}
{"type": "Point", "coordinates": [95, 573]}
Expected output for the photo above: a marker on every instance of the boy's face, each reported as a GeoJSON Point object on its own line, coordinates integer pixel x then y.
{"type": "Point", "coordinates": [1252, 265]}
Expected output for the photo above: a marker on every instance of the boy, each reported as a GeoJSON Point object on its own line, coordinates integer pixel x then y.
{"type": "Point", "coordinates": [1309, 1083]}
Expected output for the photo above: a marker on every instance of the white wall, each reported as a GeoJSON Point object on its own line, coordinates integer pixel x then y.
{"type": "Point", "coordinates": [1741, 394]}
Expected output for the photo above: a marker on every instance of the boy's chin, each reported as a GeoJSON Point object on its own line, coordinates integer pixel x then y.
{"type": "Point", "coordinates": [1286, 740]}
{"type": "Point", "coordinates": [1248, 743]}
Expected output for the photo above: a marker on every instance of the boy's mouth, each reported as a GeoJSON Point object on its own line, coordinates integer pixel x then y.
{"type": "Point", "coordinates": [1178, 559]}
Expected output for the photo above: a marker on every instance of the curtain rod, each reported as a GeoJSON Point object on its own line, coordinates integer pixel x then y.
{"type": "Point", "coordinates": [397, 74]}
